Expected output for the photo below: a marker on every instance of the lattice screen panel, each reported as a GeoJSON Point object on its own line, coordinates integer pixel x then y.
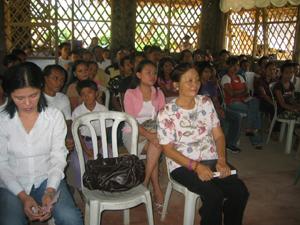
{"type": "Point", "coordinates": [92, 19]}
{"type": "Point", "coordinates": [242, 26]}
{"type": "Point", "coordinates": [281, 31]}
{"type": "Point", "coordinates": [165, 23]}
{"type": "Point", "coordinates": [17, 23]}
{"type": "Point", "coordinates": [43, 24]}
{"type": "Point", "coordinates": [280, 27]}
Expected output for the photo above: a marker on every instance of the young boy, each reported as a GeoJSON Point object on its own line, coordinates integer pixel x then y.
{"type": "Point", "coordinates": [87, 90]}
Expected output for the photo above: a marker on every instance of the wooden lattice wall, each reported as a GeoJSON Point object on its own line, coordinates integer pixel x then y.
{"type": "Point", "coordinates": [265, 31]}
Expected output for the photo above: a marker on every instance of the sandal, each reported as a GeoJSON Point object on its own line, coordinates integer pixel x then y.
{"type": "Point", "coordinates": [158, 208]}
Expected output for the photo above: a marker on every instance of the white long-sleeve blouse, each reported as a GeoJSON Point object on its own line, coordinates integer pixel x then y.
{"type": "Point", "coordinates": [27, 159]}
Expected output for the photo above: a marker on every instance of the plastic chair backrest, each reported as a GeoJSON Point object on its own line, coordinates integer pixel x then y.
{"type": "Point", "coordinates": [104, 117]}
{"type": "Point", "coordinates": [107, 95]}
{"type": "Point", "coordinates": [250, 82]}
{"type": "Point", "coordinates": [223, 104]}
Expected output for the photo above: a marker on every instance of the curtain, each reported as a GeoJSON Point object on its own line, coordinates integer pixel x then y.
{"type": "Point", "coordinates": [237, 5]}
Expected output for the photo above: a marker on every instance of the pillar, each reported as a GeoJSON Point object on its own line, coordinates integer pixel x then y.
{"type": "Point", "coordinates": [212, 26]}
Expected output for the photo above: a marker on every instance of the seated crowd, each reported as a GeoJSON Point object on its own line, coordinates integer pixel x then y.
{"type": "Point", "coordinates": [200, 102]}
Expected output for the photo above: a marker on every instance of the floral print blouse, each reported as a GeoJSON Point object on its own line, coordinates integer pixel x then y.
{"type": "Point", "coordinates": [190, 131]}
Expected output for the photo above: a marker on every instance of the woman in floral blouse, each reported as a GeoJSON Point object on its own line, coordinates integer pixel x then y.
{"type": "Point", "coordinates": [190, 134]}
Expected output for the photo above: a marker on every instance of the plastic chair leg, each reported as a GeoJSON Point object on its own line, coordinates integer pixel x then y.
{"type": "Point", "coordinates": [149, 209]}
{"type": "Point", "coordinates": [95, 213]}
{"type": "Point", "coordinates": [270, 130]}
{"type": "Point", "coordinates": [166, 201]}
{"type": "Point", "coordinates": [126, 217]}
{"type": "Point", "coordinates": [282, 131]}
{"type": "Point", "coordinates": [297, 177]}
{"type": "Point", "coordinates": [289, 138]}
{"type": "Point", "coordinates": [87, 214]}
{"type": "Point", "coordinates": [189, 209]}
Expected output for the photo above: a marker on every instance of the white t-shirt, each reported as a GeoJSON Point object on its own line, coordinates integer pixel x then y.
{"type": "Point", "coordinates": [61, 102]}
{"type": "Point", "coordinates": [64, 62]}
{"type": "Point", "coordinates": [147, 112]}
{"type": "Point", "coordinates": [104, 64]}
{"type": "Point", "coordinates": [227, 80]}
{"type": "Point", "coordinates": [81, 109]}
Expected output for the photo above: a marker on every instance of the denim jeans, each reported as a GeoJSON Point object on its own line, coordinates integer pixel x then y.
{"type": "Point", "coordinates": [253, 120]}
{"type": "Point", "coordinates": [231, 126]}
{"type": "Point", "coordinates": [64, 211]}
{"type": "Point", "coordinates": [251, 108]}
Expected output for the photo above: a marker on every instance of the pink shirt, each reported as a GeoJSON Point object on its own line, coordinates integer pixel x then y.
{"type": "Point", "coordinates": [133, 100]}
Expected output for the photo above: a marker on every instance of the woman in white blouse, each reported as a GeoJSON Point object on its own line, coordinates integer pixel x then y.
{"type": "Point", "coordinates": [190, 134]}
{"type": "Point", "coordinates": [32, 154]}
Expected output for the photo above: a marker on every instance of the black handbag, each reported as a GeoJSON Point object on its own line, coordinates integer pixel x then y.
{"type": "Point", "coordinates": [114, 174]}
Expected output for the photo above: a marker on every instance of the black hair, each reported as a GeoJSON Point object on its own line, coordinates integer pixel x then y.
{"type": "Point", "coordinates": [75, 52]}
{"type": "Point", "coordinates": [85, 51]}
{"type": "Point", "coordinates": [270, 63]}
{"type": "Point", "coordinates": [199, 52]}
{"type": "Point", "coordinates": [23, 75]}
{"type": "Point", "coordinates": [224, 51]}
{"type": "Point", "coordinates": [286, 65]}
{"type": "Point", "coordinates": [17, 52]}
{"type": "Point", "coordinates": [161, 63]}
{"type": "Point", "coordinates": [232, 60]}
{"type": "Point", "coordinates": [135, 80]}
{"type": "Point", "coordinates": [243, 61]}
{"type": "Point", "coordinates": [77, 63]}
{"type": "Point", "coordinates": [151, 49]}
{"type": "Point", "coordinates": [122, 61]}
{"type": "Point", "coordinates": [92, 63]}
{"type": "Point", "coordinates": [201, 66]}
{"type": "Point", "coordinates": [64, 44]}
{"type": "Point", "coordinates": [48, 70]}
{"type": "Point", "coordinates": [96, 47]}
{"type": "Point", "coordinates": [182, 53]}
{"type": "Point", "coordinates": [86, 84]}
{"type": "Point", "coordinates": [262, 59]}
{"type": "Point", "coordinates": [10, 58]}
{"type": "Point", "coordinates": [179, 70]}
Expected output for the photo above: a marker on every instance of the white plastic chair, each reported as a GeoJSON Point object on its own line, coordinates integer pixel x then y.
{"type": "Point", "coordinates": [189, 201]}
{"type": "Point", "coordinates": [107, 95]}
{"type": "Point", "coordinates": [289, 122]}
{"type": "Point", "coordinates": [250, 82]}
{"type": "Point", "coordinates": [98, 201]}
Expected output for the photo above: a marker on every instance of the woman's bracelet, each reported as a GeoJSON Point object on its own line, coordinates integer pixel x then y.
{"type": "Point", "coordinates": [190, 165]}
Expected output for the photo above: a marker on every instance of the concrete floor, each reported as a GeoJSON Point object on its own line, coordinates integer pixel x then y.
{"type": "Point", "coordinates": [269, 175]}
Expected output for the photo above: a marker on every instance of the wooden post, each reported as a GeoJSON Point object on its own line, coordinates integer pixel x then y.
{"type": "Point", "coordinates": [123, 19]}
{"type": "Point", "coordinates": [212, 26]}
{"type": "Point", "coordinates": [2, 35]}
{"type": "Point", "coordinates": [265, 31]}
{"type": "Point", "coordinates": [296, 54]}
{"type": "Point", "coordinates": [254, 50]}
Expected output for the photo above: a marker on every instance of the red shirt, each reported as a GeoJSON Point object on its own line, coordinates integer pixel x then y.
{"type": "Point", "coordinates": [237, 83]}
